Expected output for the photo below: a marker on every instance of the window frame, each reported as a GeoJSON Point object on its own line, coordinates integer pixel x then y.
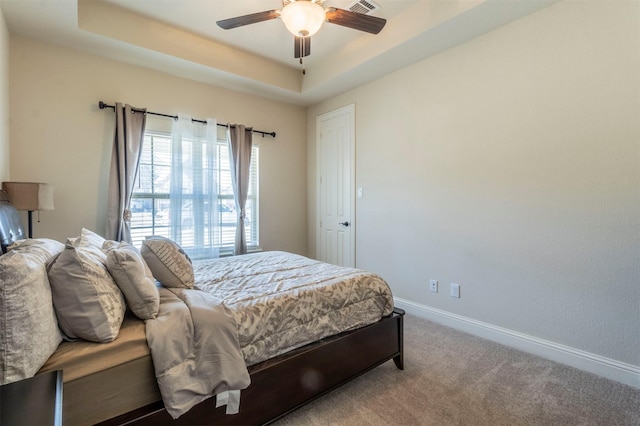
{"type": "Point", "coordinates": [226, 248]}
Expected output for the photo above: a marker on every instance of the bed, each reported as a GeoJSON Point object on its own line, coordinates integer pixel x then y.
{"type": "Point", "coordinates": [117, 382]}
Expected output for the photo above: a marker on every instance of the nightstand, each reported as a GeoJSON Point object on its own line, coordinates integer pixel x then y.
{"type": "Point", "coordinates": [34, 401]}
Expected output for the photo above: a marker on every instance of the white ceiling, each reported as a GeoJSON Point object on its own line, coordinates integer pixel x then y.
{"type": "Point", "coordinates": [181, 37]}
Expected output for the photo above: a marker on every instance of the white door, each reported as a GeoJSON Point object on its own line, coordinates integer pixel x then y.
{"type": "Point", "coordinates": [335, 141]}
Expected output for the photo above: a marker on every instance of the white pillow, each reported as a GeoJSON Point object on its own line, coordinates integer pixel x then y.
{"type": "Point", "coordinates": [88, 303]}
{"type": "Point", "coordinates": [89, 238]}
{"type": "Point", "coordinates": [168, 262]}
{"type": "Point", "coordinates": [30, 331]}
{"type": "Point", "coordinates": [133, 277]}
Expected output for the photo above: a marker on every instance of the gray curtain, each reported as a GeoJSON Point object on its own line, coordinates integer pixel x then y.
{"type": "Point", "coordinates": [125, 158]}
{"type": "Point", "coordinates": [239, 138]}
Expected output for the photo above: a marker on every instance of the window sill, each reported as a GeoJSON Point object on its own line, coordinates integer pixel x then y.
{"type": "Point", "coordinates": [249, 251]}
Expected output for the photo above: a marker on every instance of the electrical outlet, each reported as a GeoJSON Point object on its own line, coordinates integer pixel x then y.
{"type": "Point", "coordinates": [433, 286]}
{"type": "Point", "coordinates": [455, 290]}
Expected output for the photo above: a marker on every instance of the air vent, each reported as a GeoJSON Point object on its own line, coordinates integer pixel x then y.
{"type": "Point", "coordinates": [363, 6]}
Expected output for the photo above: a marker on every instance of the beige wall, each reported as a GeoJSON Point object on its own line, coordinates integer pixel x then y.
{"type": "Point", "coordinates": [4, 100]}
{"type": "Point", "coordinates": [510, 165]}
{"type": "Point", "coordinates": [59, 136]}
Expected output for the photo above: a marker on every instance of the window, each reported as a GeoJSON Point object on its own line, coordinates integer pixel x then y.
{"type": "Point", "coordinates": [150, 207]}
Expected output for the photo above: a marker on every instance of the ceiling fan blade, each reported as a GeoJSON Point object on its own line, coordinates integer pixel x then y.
{"type": "Point", "coordinates": [357, 21]}
{"type": "Point", "coordinates": [301, 47]}
{"type": "Point", "coordinates": [253, 18]}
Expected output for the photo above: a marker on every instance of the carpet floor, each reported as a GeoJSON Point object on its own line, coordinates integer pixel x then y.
{"type": "Point", "coordinates": [454, 378]}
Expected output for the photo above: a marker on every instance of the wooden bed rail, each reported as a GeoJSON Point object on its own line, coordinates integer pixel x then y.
{"type": "Point", "coordinates": [287, 382]}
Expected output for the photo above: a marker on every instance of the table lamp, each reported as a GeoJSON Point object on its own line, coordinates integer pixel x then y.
{"type": "Point", "coordinates": [29, 196]}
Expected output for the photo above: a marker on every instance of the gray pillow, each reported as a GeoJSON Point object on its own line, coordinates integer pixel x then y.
{"type": "Point", "coordinates": [88, 303]}
{"type": "Point", "coordinates": [168, 262]}
{"type": "Point", "coordinates": [133, 277]}
{"type": "Point", "coordinates": [27, 311]}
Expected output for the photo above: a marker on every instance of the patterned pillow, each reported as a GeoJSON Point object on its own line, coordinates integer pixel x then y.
{"type": "Point", "coordinates": [30, 329]}
{"type": "Point", "coordinates": [88, 303]}
{"type": "Point", "coordinates": [168, 262]}
{"type": "Point", "coordinates": [132, 275]}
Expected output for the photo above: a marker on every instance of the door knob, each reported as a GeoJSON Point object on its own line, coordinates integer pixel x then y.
{"type": "Point", "coordinates": [344, 223]}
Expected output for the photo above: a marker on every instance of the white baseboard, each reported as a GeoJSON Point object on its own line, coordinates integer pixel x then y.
{"type": "Point", "coordinates": [606, 367]}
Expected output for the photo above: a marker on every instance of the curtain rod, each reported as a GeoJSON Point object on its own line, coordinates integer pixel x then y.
{"type": "Point", "coordinates": [103, 105]}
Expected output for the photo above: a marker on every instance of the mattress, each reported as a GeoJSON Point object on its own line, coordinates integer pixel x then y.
{"type": "Point", "coordinates": [281, 301]}
{"type": "Point", "coordinates": [103, 380]}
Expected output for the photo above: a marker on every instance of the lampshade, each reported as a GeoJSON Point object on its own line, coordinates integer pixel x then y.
{"type": "Point", "coordinates": [29, 196]}
{"type": "Point", "coordinates": [303, 18]}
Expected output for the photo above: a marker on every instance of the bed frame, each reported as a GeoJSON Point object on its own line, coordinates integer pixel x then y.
{"type": "Point", "coordinates": [278, 385]}
{"type": "Point", "coordinates": [287, 382]}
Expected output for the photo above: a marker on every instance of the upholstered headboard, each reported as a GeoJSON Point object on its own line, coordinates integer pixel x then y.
{"type": "Point", "coordinates": [11, 229]}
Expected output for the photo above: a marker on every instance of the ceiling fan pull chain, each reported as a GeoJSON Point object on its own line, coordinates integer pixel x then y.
{"type": "Point", "coordinates": [303, 53]}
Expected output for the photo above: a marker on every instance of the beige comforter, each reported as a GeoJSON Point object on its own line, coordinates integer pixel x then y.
{"type": "Point", "coordinates": [281, 301]}
{"type": "Point", "coordinates": [195, 351]}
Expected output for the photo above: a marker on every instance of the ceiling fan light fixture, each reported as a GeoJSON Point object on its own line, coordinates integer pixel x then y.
{"type": "Point", "coordinates": [303, 18]}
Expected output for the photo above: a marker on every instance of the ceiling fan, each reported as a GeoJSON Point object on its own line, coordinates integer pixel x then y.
{"type": "Point", "coordinates": [303, 18]}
